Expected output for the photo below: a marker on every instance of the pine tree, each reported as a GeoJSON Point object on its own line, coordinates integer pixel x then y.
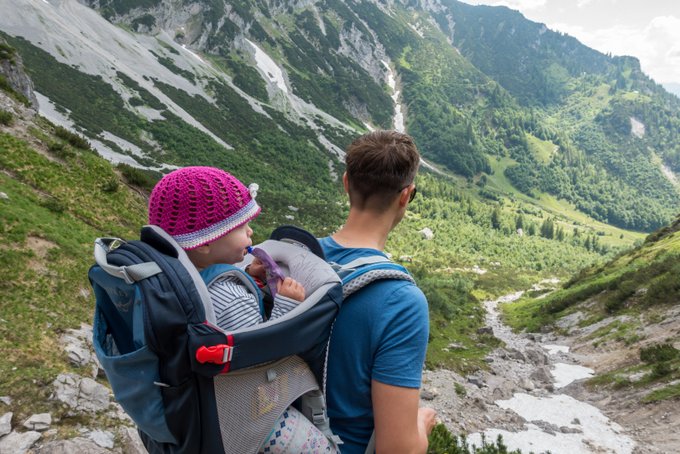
{"type": "Point", "coordinates": [496, 218]}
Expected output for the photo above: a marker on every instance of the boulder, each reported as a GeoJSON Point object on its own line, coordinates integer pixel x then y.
{"type": "Point", "coordinates": [426, 233]}
{"type": "Point", "coordinates": [536, 356]}
{"type": "Point", "coordinates": [81, 394]}
{"type": "Point", "coordinates": [18, 443]}
{"type": "Point", "coordinates": [102, 438]}
{"type": "Point", "coordinates": [542, 375]}
{"type": "Point", "coordinates": [130, 441]}
{"type": "Point", "coordinates": [39, 422]}
{"type": "Point", "coordinates": [78, 445]}
{"type": "Point", "coordinates": [5, 424]}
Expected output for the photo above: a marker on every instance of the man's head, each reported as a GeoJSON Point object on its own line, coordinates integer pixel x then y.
{"type": "Point", "coordinates": [380, 167]}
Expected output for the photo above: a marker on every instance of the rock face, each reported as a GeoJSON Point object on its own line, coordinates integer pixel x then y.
{"type": "Point", "coordinates": [81, 394]}
{"type": "Point", "coordinates": [12, 69]}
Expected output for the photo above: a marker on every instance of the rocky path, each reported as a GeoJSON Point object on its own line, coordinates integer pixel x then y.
{"type": "Point", "coordinates": [526, 396]}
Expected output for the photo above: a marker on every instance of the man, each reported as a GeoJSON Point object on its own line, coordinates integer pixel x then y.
{"type": "Point", "coordinates": [379, 339]}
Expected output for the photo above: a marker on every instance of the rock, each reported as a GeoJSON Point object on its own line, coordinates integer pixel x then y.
{"type": "Point", "coordinates": [475, 380]}
{"type": "Point", "coordinates": [18, 443]}
{"type": "Point", "coordinates": [78, 445]}
{"type": "Point", "coordinates": [527, 384]}
{"type": "Point", "coordinates": [500, 393]}
{"type": "Point", "coordinates": [576, 421]}
{"type": "Point", "coordinates": [82, 394]}
{"type": "Point", "coordinates": [570, 430]}
{"type": "Point", "coordinates": [536, 356]}
{"type": "Point", "coordinates": [542, 375]}
{"type": "Point", "coordinates": [5, 424]}
{"type": "Point", "coordinates": [485, 330]}
{"type": "Point", "coordinates": [4, 196]}
{"type": "Point", "coordinates": [6, 400]}
{"type": "Point", "coordinates": [130, 441]}
{"type": "Point", "coordinates": [78, 356]}
{"type": "Point", "coordinates": [429, 394]}
{"type": "Point", "coordinates": [39, 422]}
{"type": "Point", "coordinates": [513, 353]}
{"type": "Point", "coordinates": [102, 438]}
{"type": "Point", "coordinates": [426, 233]}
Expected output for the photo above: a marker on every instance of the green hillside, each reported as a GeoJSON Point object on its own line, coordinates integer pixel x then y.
{"type": "Point", "coordinates": [628, 300]}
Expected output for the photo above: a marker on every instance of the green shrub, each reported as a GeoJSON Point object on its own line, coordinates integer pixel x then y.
{"type": "Point", "coordinates": [6, 118]}
{"type": "Point", "coordinates": [144, 179]}
{"type": "Point", "coordinates": [53, 204]}
{"type": "Point", "coordinates": [442, 442]}
{"type": "Point", "coordinates": [110, 185]}
{"type": "Point", "coordinates": [61, 150]}
{"type": "Point", "coordinates": [74, 139]}
{"type": "Point", "coordinates": [658, 353]}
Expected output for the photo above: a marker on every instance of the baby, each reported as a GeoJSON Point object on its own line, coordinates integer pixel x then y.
{"type": "Point", "coordinates": [207, 211]}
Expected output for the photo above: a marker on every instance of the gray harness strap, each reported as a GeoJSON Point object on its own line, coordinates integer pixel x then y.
{"type": "Point", "coordinates": [130, 274]}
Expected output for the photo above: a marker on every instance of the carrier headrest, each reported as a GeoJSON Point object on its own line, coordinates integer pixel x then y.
{"type": "Point", "coordinates": [299, 237]}
{"type": "Point", "coordinates": [297, 262]}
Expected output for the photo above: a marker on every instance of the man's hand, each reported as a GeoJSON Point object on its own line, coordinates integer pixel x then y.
{"type": "Point", "coordinates": [292, 289]}
{"type": "Point", "coordinates": [427, 419]}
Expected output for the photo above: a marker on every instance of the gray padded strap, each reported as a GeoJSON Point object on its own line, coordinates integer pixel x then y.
{"type": "Point", "coordinates": [363, 280]}
{"type": "Point", "coordinates": [364, 261]}
{"type": "Point", "coordinates": [130, 274]}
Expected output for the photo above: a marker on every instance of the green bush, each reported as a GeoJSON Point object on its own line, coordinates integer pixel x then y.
{"type": "Point", "coordinates": [74, 139]}
{"type": "Point", "coordinates": [111, 185]}
{"type": "Point", "coordinates": [442, 442]}
{"type": "Point", "coordinates": [658, 353]}
{"type": "Point", "coordinates": [145, 179]}
{"type": "Point", "coordinates": [6, 118]}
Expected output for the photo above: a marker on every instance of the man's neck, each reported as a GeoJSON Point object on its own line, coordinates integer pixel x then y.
{"type": "Point", "coordinates": [365, 230]}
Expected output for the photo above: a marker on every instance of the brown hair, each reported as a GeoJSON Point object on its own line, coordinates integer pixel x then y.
{"type": "Point", "coordinates": [379, 164]}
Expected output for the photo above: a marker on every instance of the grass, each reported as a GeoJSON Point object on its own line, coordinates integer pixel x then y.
{"type": "Point", "coordinates": [542, 149]}
{"type": "Point", "coordinates": [666, 393]}
{"type": "Point", "coordinates": [44, 261]}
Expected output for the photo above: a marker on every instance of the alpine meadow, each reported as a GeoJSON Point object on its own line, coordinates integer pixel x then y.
{"type": "Point", "coordinates": [550, 172]}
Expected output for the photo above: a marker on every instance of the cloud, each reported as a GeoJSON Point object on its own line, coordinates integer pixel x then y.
{"type": "Point", "coordinates": [657, 45]}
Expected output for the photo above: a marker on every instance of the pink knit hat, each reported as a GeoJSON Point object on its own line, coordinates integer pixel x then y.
{"type": "Point", "coordinates": [197, 205]}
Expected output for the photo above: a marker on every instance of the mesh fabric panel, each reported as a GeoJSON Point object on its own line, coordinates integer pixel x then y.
{"type": "Point", "coordinates": [364, 279]}
{"type": "Point", "coordinates": [250, 401]}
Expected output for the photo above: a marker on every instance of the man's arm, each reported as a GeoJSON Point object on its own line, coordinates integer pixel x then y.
{"type": "Point", "coordinates": [400, 426]}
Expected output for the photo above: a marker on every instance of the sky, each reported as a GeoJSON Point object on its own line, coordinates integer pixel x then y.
{"type": "Point", "coordinates": [646, 29]}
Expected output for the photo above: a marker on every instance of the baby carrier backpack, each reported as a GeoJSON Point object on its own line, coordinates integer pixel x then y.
{"type": "Point", "coordinates": [191, 387]}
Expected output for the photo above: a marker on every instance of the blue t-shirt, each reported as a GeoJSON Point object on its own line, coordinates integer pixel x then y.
{"type": "Point", "coordinates": [381, 333]}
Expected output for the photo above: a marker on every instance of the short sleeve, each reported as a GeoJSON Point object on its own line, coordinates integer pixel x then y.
{"type": "Point", "coordinates": [402, 342]}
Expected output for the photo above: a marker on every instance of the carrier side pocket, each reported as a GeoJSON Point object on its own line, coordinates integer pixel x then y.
{"type": "Point", "coordinates": [134, 379]}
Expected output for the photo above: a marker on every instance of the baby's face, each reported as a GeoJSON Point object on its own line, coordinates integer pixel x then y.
{"type": "Point", "coordinates": [231, 247]}
{"type": "Point", "coordinates": [257, 269]}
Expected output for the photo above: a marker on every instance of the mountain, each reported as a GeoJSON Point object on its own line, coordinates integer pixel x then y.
{"type": "Point", "coordinates": [236, 84]}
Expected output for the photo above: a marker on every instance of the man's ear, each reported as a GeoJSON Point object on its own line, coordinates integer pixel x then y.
{"type": "Point", "coordinates": [404, 195]}
{"type": "Point", "coordinates": [345, 182]}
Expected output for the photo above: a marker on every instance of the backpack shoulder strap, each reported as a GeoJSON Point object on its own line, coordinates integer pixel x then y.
{"type": "Point", "coordinates": [214, 272]}
{"type": "Point", "coordinates": [358, 273]}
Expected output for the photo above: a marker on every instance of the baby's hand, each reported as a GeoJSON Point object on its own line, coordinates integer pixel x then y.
{"type": "Point", "coordinates": [291, 288]}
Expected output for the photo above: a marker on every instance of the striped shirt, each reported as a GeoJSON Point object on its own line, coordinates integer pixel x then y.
{"type": "Point", "coordinates": [235, 307]}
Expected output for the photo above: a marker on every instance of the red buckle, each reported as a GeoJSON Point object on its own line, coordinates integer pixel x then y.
{"type": "Point", "coordinates": [216, 354]}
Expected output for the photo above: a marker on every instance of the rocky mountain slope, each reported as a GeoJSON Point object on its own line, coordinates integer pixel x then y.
{"type": "Point", "coordinates": [292, 83]}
